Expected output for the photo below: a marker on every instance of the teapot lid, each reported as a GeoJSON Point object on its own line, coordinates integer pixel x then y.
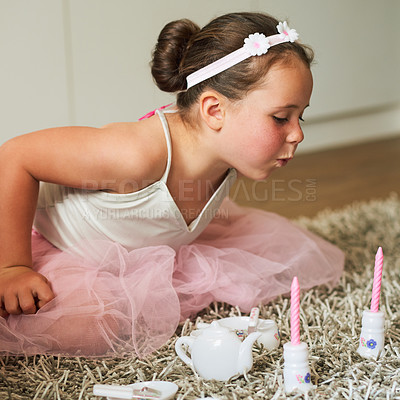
{"type": "Point", "coordinates": [216, 329]}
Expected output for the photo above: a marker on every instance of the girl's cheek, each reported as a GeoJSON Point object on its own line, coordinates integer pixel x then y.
{"type": "Point", "coordinates": [275, 137]}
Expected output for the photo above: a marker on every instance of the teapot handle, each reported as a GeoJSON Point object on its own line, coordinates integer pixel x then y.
{"type": "Point", "coordinates": [188, 341]}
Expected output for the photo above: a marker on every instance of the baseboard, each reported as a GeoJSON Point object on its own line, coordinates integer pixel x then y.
{"type": "Point", "coordinates": [351, 128]}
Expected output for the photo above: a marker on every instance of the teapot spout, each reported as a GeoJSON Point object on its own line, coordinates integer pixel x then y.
{"type": "Point", "coordinates": [245, 358]}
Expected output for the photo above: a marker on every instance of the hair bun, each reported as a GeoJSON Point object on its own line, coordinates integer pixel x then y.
{"type": "Point", "coordinates": [168, 53]}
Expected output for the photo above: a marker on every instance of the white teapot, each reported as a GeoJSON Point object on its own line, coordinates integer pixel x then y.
{"type": "Point", "coordinates": [217, 353]}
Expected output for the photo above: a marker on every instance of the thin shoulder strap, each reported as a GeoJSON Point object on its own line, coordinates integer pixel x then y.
{"type": "Point", "coordinates": [164, 123]}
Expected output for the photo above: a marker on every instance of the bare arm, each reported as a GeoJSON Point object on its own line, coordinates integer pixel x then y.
{"type": "Point", "coordinates": [74, 156]}
{"type": "Point", "coordinates": [18, 197]}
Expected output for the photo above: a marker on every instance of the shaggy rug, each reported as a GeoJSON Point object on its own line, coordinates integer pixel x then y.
{"type": "Point", "coordinates": [330, 325]}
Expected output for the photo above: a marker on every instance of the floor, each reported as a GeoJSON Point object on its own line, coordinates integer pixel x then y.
{"type": "Point", "coordinates": [330, 178]}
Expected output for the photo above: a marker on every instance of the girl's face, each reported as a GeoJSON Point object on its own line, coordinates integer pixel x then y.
{"type": "Point", "coordinates": [262, 130]}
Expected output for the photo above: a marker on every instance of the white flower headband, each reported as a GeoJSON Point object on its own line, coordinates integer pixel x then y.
{"type": "Point", "coordinates": [254, 45]}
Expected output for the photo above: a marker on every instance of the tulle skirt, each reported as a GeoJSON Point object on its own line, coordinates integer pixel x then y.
{"type": "Point", "coordinates": [114, 302]}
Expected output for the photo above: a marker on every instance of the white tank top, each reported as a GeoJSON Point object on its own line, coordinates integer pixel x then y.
{"type": "Point", "coordinates": [67, 216]}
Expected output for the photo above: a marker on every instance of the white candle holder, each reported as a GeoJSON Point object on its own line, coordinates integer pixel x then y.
{"type": "Point", "coordinates": [372, 336]}
{"type": "Point", "coordinates": [296, 370]}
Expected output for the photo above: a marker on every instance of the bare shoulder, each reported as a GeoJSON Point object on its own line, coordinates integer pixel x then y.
{"type": "Point", "coordinates": [120, 157]}
{"type": "Point", "coordinates": [140, 151]}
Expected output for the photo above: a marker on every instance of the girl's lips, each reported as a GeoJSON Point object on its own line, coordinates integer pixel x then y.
{"type": "Point", "coordinates": [283, 161]}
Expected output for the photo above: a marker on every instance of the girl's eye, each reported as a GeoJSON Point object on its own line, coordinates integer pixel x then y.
{"type": "Point", "coordinates": [280, 120]}
{"type": "Point", "coordinates": [284, 120]}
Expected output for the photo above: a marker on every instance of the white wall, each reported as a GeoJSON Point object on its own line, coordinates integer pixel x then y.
{"type": "Point", "coordinates": [85, 62]}
{"type": "Point", "coordinates": [33, 86]}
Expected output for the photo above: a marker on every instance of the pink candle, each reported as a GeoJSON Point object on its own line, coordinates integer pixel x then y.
{"type": "Point", "coordinates": [376, 288]}
{"type": "Point", "coordinates": [295, 312]}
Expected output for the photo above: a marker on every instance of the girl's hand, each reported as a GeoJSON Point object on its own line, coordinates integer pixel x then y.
{"type": "Point", "coordinates": [22, 290]}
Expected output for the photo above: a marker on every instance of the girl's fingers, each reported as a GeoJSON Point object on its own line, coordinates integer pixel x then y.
{"type": "Point", "coordinates": [11, 304]}
{"type": "Point", "coordinates": [27, 301]}
{"type": "Point", "coordinates": [34, 294]}
{"type": "Point", "coordinates": [43, 294]}
{"type": "Point", "coordinates": [3, 312]}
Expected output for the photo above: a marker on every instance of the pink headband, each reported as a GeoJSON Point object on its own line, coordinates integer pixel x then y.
{"type": "Point", "coordinates": [254, 45]}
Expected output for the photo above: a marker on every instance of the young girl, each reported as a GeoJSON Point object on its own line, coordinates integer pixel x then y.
{"type": "Point", "coordinates": [132, 227]}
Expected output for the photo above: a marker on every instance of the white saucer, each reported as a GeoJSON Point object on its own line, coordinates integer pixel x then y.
{"type": "Point", "coordinates": [167, 389]}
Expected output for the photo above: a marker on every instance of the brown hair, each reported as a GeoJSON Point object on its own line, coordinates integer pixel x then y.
{"type": "Point", "coordinates": [183, 48]}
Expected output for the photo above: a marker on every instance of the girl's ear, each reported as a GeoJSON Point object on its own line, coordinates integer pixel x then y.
{"type": "Point", "coordinates": [212, 109]}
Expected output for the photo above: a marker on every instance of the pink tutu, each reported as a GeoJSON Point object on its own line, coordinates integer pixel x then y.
{"type": "Point", "coordinates": [114, 302]}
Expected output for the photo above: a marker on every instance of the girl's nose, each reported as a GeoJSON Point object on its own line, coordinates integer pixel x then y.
{"type": "Point", "coordinates": [296, 134]}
